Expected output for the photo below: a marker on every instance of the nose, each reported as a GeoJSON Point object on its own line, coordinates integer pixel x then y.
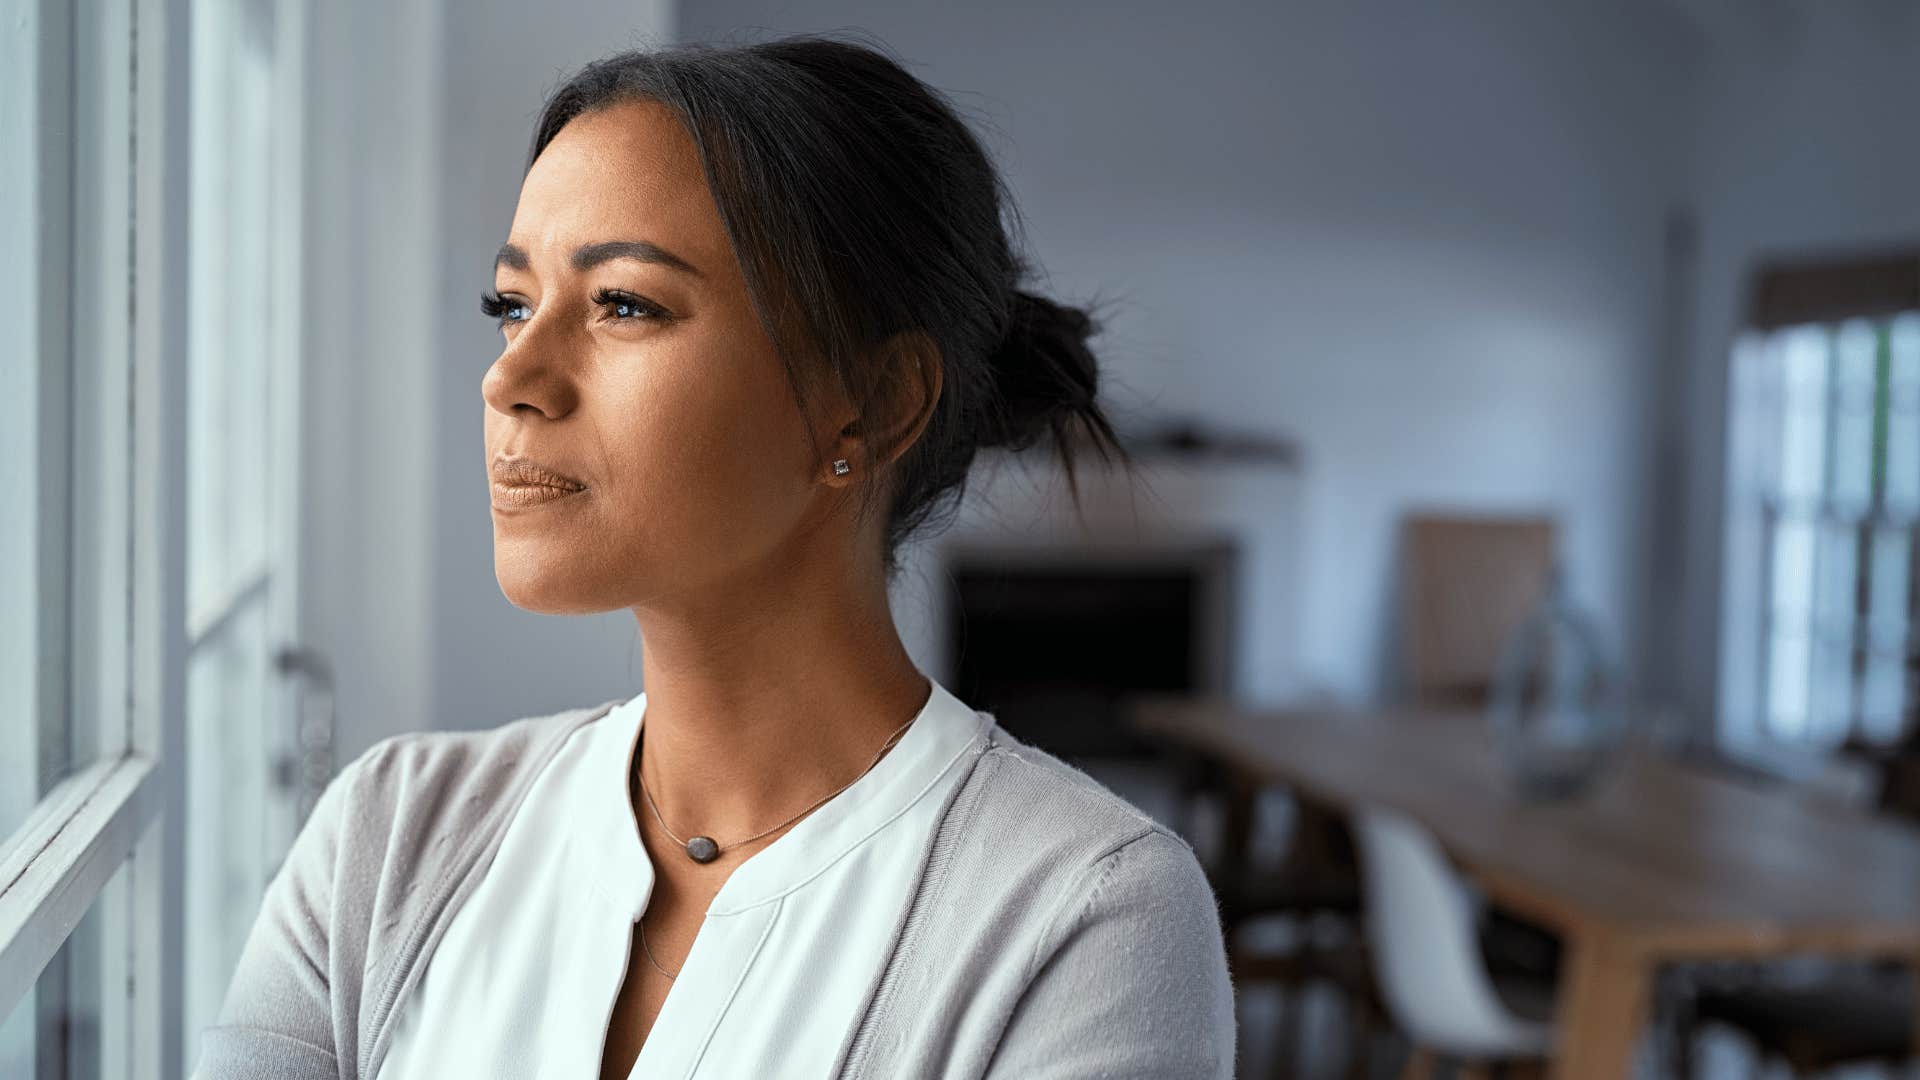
{"type": "Point", "coordinates": [532, 372]}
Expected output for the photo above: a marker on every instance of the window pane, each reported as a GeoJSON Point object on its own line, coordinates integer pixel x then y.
{"type": "Point", "coordinates": [230, 335]}
{"type": "Point", "coordinates": [36, 123]}
{"type": "Point", "coordinates": [1831, 708]}
{"type": "Point", "coordinates": [58, 1031]}
{"type": "Point", "coordinates": [1790, 656]}
{"type": "Point", "coordinates": [1889, 625]}
{"type": "Point", "coordinates": [1903, 418]}
{"type": "Point", "coordinates": [242, 476]}
{"type": "Point", "coordinates": [1855, 398]}
{"type": "Point", "coordinates": [233, 842]}
{"type": "Point", "coordinates": [1803, 438]}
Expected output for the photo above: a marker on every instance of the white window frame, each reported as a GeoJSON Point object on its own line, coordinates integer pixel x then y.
{"type": "Point", "coordinates": [125, 679]}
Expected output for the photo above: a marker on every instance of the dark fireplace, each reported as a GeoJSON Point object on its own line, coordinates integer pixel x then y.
{"type": "Point", "coordinates": [1053, 641]}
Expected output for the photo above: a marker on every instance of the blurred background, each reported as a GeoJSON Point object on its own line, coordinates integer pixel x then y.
{"type": "Point", "coordinates": [1515, 606]}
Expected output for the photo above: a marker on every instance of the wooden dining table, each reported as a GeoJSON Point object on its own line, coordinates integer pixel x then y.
{"type": "Point", "coordinates": [1658, 861]}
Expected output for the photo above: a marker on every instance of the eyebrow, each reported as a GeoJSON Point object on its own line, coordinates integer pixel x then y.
{"type": "Point", "coordinates": [588, 256]}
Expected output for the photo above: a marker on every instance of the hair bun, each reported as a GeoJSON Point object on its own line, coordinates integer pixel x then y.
{"type": "Point", "coordinates": [1044, 372]}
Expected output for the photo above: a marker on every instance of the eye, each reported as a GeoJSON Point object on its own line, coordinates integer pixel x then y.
{"type": "Point", "coordinates": [625, 305]}
{"type": "Point", "coordinates": [502, 309]}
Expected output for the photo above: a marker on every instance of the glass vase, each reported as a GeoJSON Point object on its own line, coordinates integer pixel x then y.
{"type": "Point", "coordinates": [1555, 708]}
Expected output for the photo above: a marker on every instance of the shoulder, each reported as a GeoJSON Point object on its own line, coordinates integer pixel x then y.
{"type": "Point", "coordinates": [417, 806]}
{"type": "Point", "coordinates": [441, 772]}
{"type": "Point", "coordinates": [1061, 812]}
{"type": "Point", "coordinates": [414, 755]}
{"type": "Point", "coordinates": [1091, 927]}
{"type": "Point", "coordinates": [1054, 843]}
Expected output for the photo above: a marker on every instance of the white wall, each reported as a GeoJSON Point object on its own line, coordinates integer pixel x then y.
{"type": "Point", "coordinates": [1424, 239]}
{"type": "Point", "coordinates": [1806, 144]}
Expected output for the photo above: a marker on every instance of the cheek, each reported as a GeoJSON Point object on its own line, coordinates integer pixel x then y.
{"type": "Point", "coordinates": [706, 445]}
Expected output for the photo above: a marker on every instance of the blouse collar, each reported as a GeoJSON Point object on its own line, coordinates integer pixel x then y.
{"type": "Point", "coordinates": [940, 734]}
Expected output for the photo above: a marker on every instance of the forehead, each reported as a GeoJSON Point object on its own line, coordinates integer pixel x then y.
{"type": "Point", "coordinates": [622, 172]}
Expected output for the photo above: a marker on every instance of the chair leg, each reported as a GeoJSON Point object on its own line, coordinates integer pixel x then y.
{"type": "Point", "coordinates": [1286, 1051]}
{"type": "Point", "coordinates": [1360, 1031]}
{"type": "Point", "coordinates": [1683, 1049]}
{"type": "Point", "coordinates": [1682, 1029]}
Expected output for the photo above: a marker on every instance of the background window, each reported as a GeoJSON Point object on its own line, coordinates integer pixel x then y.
{"type": "Point", "coordinates": [1824, 523]}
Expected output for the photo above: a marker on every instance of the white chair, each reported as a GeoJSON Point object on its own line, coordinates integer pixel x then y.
{"type": "Point", "coordinates": [1426, 955]}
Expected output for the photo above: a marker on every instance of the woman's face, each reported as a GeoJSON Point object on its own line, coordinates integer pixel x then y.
{"type": "Point", "coordinates": [633, 363]}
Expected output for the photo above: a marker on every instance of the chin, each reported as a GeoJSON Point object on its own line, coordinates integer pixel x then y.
{"type": "Point", "coordinates": [545, 587]}
{"type": "Point", "coordinates": [540, 599]}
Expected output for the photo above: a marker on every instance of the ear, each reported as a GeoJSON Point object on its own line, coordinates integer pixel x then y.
{"type": "Point", "coordinates": [897, 412]}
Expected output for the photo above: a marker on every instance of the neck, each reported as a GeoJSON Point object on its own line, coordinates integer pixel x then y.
{"type": "Point", "coordinates": [760, 706]}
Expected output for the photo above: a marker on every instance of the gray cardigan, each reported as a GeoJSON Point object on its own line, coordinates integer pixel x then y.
{"type": "Point", "coordinates": [1055, 932]}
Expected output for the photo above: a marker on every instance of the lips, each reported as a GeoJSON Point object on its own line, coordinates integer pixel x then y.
{"type": "Point", "coordinates": [519, 472]}
{"type": "Point", "coordinates": [520, 482]}
{"type": "Point", "coordinates": [520, 496]}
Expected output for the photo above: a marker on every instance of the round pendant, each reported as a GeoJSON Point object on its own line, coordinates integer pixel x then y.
{"type": "Point", "coordinates": [702, 849]}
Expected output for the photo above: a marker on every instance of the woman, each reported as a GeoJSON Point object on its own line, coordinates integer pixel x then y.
{"type": "Point", "coordinates": [759, 312]}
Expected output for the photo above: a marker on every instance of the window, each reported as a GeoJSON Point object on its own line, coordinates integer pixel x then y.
{"type": "Point", "coordinates": [249, 782]}
{"type": "Point", "coordinates": [151, 770]}
{"type": "Point", "coordinates": [83, 906]}
{"type": "Point", "coordinates": [79, 767]}
{"type": "Point", "coordinates": [1824, 496]}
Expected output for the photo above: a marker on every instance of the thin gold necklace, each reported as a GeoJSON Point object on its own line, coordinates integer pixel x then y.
{"type": "Point", "coordinates": [702, 849]}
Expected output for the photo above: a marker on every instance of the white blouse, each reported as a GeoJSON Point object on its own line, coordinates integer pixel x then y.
{"type": "Point", "coordinates": [523, 983]}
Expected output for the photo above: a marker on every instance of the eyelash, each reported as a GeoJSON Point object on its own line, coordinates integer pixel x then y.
{"type": "Point", "coordinates": [495, 306]}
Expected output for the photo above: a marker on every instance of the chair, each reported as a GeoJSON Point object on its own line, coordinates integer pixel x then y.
{"type": "Point", "coordinates": [1468, 584]}
{"type": "Point", "coordinates": [1421, 929]}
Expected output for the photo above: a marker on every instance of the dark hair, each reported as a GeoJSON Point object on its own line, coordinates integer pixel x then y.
{"type": "Point", "coordinates": [860, 206]}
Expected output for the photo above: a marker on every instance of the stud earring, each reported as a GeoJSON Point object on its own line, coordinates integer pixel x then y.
{"type": "Point", "coordinates": [841, 468]}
